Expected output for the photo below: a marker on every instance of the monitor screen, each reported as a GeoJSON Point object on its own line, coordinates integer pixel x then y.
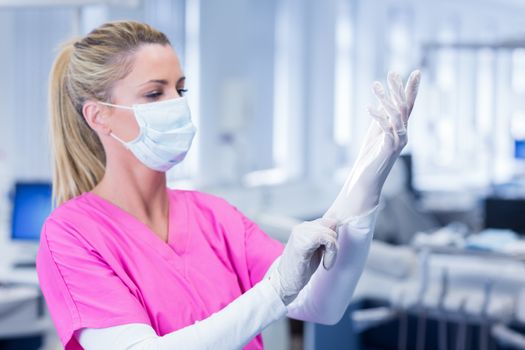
{"type": "Point", "coordinates": [519, 149]}
{"type": "Point", "coordinates": [31, 206]}
{"type": "Point", "coordinates": [505, 213]}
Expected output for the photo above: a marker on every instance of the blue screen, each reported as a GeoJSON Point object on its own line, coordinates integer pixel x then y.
{"type": "Point", "coordinates": [31, 206]}
{"type": "Point", "coordinates": [519, 149]}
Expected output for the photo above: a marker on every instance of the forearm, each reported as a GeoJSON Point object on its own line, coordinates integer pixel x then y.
{"type": "Point", "coordinates": [362, 188]}
{"type": "Point", "coordinates": [384, 141]}
{"type": "Point", "coordinates": [230, 328]}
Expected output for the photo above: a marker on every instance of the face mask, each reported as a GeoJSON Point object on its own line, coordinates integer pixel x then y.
{"type": "Point", "coordinates": [166, 132]}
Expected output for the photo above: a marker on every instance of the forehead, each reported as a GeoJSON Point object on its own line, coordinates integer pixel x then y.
{"type": "Point", "coordinates": [154, 61]}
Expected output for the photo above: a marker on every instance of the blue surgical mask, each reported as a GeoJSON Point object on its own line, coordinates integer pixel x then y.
{"type": "Point", "coordinates": [166, 132]}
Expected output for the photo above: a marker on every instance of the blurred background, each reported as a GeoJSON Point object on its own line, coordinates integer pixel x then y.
{"type": "Point", "coordinates": [278, 91]}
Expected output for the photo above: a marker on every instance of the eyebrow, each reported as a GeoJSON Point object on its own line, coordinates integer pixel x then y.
{"type": "Point", "coordinates": [163, 81]}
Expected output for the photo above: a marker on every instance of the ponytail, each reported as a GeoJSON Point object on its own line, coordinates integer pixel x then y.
{"type": "Point", "coordinates": [79, 158]}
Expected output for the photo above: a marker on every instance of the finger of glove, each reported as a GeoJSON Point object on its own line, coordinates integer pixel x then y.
{"type": "Point", "coordinates": [309, 238]}
{"type": "Point", "coordinates": [330, 254]}
{"type": "Point", "coordinates": [412, 89]}
{"type": "Point", "coordinates": [380, 117]}
{"type": "Point", "coordinates": [381, 94]}
{"type": "Point", "coordinates": [326, 238]}
{"type": "Point", "coordinates": [396, 120]}
{"type": "Point", "coordinates": [397, 91]}
{"type": "Point", "coordinates": [328, 222]}
{"type": "Point", "coordinates": [329, 259]}
{"type": "Point", "coordinates": [392, 111]}
{"type": "Point", "coordinates": [396, 88]}
{"type": "Point", "coordinates": [318, 231]}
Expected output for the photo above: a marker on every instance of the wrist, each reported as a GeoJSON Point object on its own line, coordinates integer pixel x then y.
{"type": "Point", "coordinates": [363, 220]}
{"type": "Point", "coordinates": [274, 280]}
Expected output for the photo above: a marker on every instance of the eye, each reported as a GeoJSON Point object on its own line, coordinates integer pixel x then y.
{"type": "Point", "coordinates": [182, 91]}
{"type": "Point", "coordinates": [154, 95]}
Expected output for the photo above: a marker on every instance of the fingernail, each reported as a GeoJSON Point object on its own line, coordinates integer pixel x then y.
{"type": "Point", "coordinates": [417, 74]}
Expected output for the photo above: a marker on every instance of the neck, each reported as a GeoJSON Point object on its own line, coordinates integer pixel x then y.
{"type": "Point", "coordinates": [138, 190]}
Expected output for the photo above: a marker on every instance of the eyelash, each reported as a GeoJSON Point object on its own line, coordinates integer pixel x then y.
{"type": "Point", "coordinates": [156, 95]}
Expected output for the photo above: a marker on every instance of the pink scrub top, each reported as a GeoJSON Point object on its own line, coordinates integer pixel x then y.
{"type": "Point", "coordinates": [98, 266]}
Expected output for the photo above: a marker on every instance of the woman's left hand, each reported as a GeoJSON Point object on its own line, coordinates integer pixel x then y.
{"type": "Point", "coordinates": [385, 139]}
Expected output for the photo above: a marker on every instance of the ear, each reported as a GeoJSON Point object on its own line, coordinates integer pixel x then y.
{"type": "Point", "coordinates": [96, 117]}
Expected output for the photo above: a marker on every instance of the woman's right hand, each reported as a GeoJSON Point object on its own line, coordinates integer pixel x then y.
{"type": "Point", "coordinates": [302, 255]}
{"type": "Point", "coordinates": [385, 139]}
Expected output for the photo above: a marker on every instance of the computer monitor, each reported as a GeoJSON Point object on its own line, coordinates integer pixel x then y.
{"type": "Point", "coordinates": [519, 149]}
{"type": "Point", "coordinates": [31, 206]}
{"type": "Point", "coordinates": [505, 213]}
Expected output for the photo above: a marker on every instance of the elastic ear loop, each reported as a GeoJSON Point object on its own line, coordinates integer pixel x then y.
{"type": "Point", "coordinates": [112, 134]}
{"type": "Point", "coordinates": [116, 106]}
{"type": "Point", "coordinates": [118, 139]}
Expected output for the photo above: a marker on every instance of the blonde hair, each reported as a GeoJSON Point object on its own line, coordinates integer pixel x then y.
{"type": "Point", "coordinates": [86, 69]}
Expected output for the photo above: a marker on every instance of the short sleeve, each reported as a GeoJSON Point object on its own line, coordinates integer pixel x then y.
{"type": "Point", "coordinates": [261, 249]}
{"type": "Point", "coordinates": [80, 288]}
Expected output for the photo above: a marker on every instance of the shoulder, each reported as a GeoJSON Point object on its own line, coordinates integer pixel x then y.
{"type": "Point", "coordinates": [62, 236]}
{"type": "Point", "coordinates": [68, 221]}
{"type": "Point", "coordinates": [74, 206]}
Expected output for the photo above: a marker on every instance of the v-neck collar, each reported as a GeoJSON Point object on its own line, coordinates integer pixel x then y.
{"type": "Point", "coordinates": [177, 223]}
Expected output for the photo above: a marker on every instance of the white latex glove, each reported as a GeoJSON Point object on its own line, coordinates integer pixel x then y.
{"type": "Point", "coordinates": [302, 255]}
{"type": "Point", "coordinates": [386, 137]}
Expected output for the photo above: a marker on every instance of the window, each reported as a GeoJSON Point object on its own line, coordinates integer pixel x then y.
{"type": "Point", "coordinates": [27, 57]}
{"type": "Point", "coordinates": [279, 134]}
{"type": "Point", "coordinates": [344, 74]}
{"type": "Point", "coordinates": [399, 40]}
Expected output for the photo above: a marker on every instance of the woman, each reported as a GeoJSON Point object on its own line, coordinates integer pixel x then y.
{"type": "Point", "coordinates": [126, 263]}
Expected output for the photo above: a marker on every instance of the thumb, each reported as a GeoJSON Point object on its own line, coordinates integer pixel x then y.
{"type": "Point", "coordinates": [330, 255]}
